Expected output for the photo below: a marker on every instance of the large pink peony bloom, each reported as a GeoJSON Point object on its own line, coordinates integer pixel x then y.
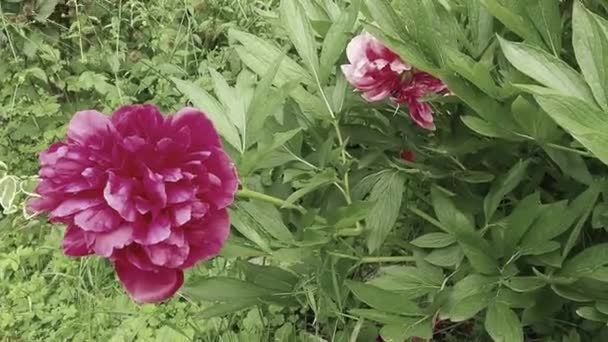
{"type": "Point", "coordinates": [146, 191]}
{"type": "Point", "coordinates": [379, 73]}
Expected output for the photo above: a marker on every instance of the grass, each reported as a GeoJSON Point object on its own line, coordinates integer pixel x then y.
{"type": "Point", "coordinates": [100, 54]}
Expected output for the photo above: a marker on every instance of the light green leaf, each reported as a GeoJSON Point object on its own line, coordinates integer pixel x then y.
{"type": "Point", "coordinates": [8, 192]}
{"type": "Point", "coordinates": [258, 55]}
{"type": "Point", "coordinates": [446, 257]}
{"type": "Point", "coordinates": [469, 296]}
{"type": "Point", "coordinates": [269, 218]}
{"type": "Point", "coordinates": [412, 282]}
{"type": "Point", "coordinates": [547, 19]}
{"type": "Point", "coordinates": [480, 126]}
{"type": "Point", "coordinates": [336, 39]}
{"type": "Point", "coordinates": [481, 26]}
{"type": "Point", "coordinates": [512, 20]}
{"type": "Point", "coordinates": [317, 181]}
{"type": "Point", "coordinates": [590, 40]}
{"type": "Point", "coordinates": [387, 193]}
{"type": "Point", "coordinates": [546, 69]}
{"type": "Point", "coordinates": [378, 316]}
{"type": "Point", "coordinates": [300, 32]}
{"type": "Point", "coordinates": [503, 186]}
{"type": "Point", "coordinates": [434, 240]}
{"type": "Point", "coordinates": [229, 98]}
{"type": "Point", "coordinates": [270, 277]}
{"type": "Point", "coordinates": [525, 284]}
{"type": "Point", "coordinates": [249, 228]}
{"type": "Point", "coordinates": [223, 309]}
{"type": "Point", "coordinates": [502, 324]}
{"type": "Point", "coordinates": [383, 300]}
{"type": "Point", "coordinates": [409, 328]}
{"type": "Point", "coordinates": [592, 314]}
{"type": "Point", "coordinates": [586, 262]}
{"type": "Point", "coordinates": [214, 110]}
{"type": "Point", "coordinates": [587, 124]}
{"type": "Point", "coordinates": [383, 14]}
{"type": "Point", "coordinates": [520, 220]}
{"type": "Point", "coordinates": [225, 289]}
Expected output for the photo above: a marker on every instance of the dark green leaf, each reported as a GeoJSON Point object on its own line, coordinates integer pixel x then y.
{"type": "Point", "coordinates": [434, 240]}
{"type": "Point", "coordinates": [502, 324]}
{"type": "Point", "coordinates": [225, 289]}
{"type": "Point", "coordinates": [269, 218]}
{"type": "Point", "coordinates": [503, 186]}
{"type": "Point", "coordinates": [223, 309]}
{"type": "Point", "coordinates": [387, 195]}
{"type": "Point", "coordinates": [446, 257]}
{"type": "Point", "coordinates": [525, 284]}
{"type": "Point", "coordinates": [586, 262]}
{"type": "Point", "coordinates": [384, 300]}
{"type": "Point", "coordinates": [409, 328]}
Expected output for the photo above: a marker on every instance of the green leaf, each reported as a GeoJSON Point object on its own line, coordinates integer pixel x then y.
{"type": "Point", "coordinates": [520, 221]}
{"type": "Point", "coordinates": [347, 217]}
{"type": "Point", "coordinates": [336, 39]}
{"type": "Point", "coordinates": [410, 281]}
{"type": "Point", "coordinates": [317, 181]}
{"type": "Point", "coordinates": [212, 108]}
{"type": "Point", "coordinates": [384, 300]}
{"type": "Point", "coordinates": [225, 289]}
{"type": "Point", "coordinates": [434, 240]}
{"type": "Point", "coordinates": [237, 248]}
{"type": "Point", "coordinates": [571, 164]}
{"type": "Point", "coordinates": [512, 20]}
{"type": "Point", "coordinates": [265, 101]}
{"type": "Point", "coordinates": [502, 324]}
{"type": "Point", "coordinates": [446, 257]}
{"type": "Point", "coordinates": [589, 198]}
{"type": "Point", "coordinates": [592, 314]}
{"type": "Point", "coordinates": [249, 228]}
{"type": "Point", "coordinates": [525, 284]}
{"type": "Point", "coordinates": [587, 124]}
{"type": "Point", "coordinates": [548, 70]}
{"type": "Point", "coordinates": [590, 40]}
{"type": "Point", "coordinates": [8, 192]}
{"type": "Point", "coordinates": [383, 13]}
{"type": "Point", "coordinates": [378, 316]}
{"type": "Point", "coordinates": [300, 32]}
{"type": "Point", "coordinates": [258, 55]}
{"type": "Point", "coordinates": [223, 309]}
{"type": "Point", "coordinates": [487, 129]}
{"type": "Point", "coordinates": [410, 328]}
{"type": "Point", "coordinates": [469, 296]}
{"type": "Point", "coordinates": [586, 262]}
{"type": "Point", "coordinates": [270, 277]}
{"type": "Point", "coordinates": [503, 186]}
{"type": "Point", "coordinates": [546, 17]}
{"type": "Point", "coordinates": [44, 9]}
{"type": "Point", "coordinates": [269, 219]}
{"type": "Point", "coordinates": [533, 120]}
{"type": "Point", "coordinates": [387, 194]}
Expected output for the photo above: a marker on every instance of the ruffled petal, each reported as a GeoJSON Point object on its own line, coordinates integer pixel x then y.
{"type": "Point", "coordinates": [87, 126]}
{"type": "Point", "coordinates": [148, 286]}
{"type": "Point", "coordinates": [74, 242]}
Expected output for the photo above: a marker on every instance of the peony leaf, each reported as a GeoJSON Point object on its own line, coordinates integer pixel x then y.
{"type": "Point", "coordinates": [387, 193]}
{"type": "Point", "coordinates": [503, 324]}
{"type": "Point", "coordinates": [299, 30]}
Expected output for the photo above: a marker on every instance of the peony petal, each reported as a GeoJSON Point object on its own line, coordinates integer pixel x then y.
{"type": "Point", "coordinates": [155, 189]}
{"type": "Point", "coordinates": [148, 286]}
{"type": "Point", "coordinates": [207, 236]}
{"type": "Point", "coordinates": [355, 50]}
{"type": "Point", "coordinates": [105, 243]}
{"type": "Point", "coordinates": [143, 120]}
{"type": "Point", "coordinates": [196, 121]}
{"type": "Point", "coordinates": [158, 230]}
{"type": "Point", "coordinates": [179, 192]}
{"type": "Point", "coordinates": [181, 214]}
{"type": "Point", "coordinates": [74, 205]}
{"type": "Point", "coordinates": [117, 194]}
{"type": "Point", "coordinates": [74, 242]}
{"type": "Point", "coordinates": [87, 125]}
{"type": "Point", "coordinates": [97, 219]}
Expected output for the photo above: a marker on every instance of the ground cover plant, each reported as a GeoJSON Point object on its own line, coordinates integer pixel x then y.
{"type": "Point", "coordinates": [408, 170]}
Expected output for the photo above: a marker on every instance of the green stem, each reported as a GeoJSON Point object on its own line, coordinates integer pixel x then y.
{"type": "Point", "coordinates": [250, 194]}
{"type": "Point", "coordinates": [374, 260]}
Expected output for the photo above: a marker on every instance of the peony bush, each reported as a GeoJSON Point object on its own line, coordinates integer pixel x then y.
{"type": "Point", "coordinates": [408, 171]}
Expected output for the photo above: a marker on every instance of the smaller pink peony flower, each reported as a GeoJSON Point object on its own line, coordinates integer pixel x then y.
{"type": "Point", "coordinates": [379, 73]}
{"type": "Point", "coordinates": [374, 69]}
{"type": "Point", "coordinates": [145, 191]}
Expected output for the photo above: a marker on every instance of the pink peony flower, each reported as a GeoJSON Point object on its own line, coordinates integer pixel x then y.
{"type": "Point", "coordinates": [146, 191]}
{"type": "Point", "coordinates": [374, 69]}
{"type": "Point", "coordinates": [379, 73]}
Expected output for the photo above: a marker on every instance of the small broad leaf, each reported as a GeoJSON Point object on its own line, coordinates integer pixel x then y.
{"type": "Point", "coordinates": [238, 248]}
{"type": "Point", "coordinates": [502, 324]}
{"type": "Point", "coordinates": [446, 257]}
{"type": "Point", "coordinates": [249, 228]}
{"type": "Point", "coordinates": [592, 314]}
{"type": "Point", "coordinates": [269, 218]}
{"type": "Point", "coordinates": [585, 122]}
{"type": "Point", "coordinates": [411, 282]}
{"type": "Point", "coordinates": [270, 277]}
{"type": "Point", "coordinates": [8, 192]}
{"type": "Point", "coordinates": [481, 26]}
{"type": "Point", "coordinates": [300, 32]}
{"type": "Point", "coordinates": [546, 17]}
{"type": "Point", "coordinates": [590, 40]}
{"type": "Point", "coordinates": [378, 316]}
{"type": "Point", "coordinates": [548, 70]}
{"type": "Point", "coordinates": [409, 328]}
{"type": "Point", "coordinates": [317, 181]}
{"type": "Point", "coordinates": [212, 108]}
{"type": "Point", "coordinates": [225, 289]}
{"type": "Point", "coordinates": [520, 221]}
{"type": "Point", "coordinates": [384, 14]}
{"type": "Point", "coordinates": [434, 240]}
{"type": "Point", "coordinates": [525, 284]}
{"type": "Point", "coordinates": [469, 296]}
{"type": "Point", "coordinates": [383, 300]}
{"type": "Point", "coordinates": [223, 309]}
{"type": "Point", "coordinates": [503, 186]}
{"type": "Point", "coordinates": [227, 95]}
{"type": "Point", "coordinates": [586, 262]}
{"type": "Point", "coordinates": [387, 193]}
{"type": "Point", "coordinates": [485, 128]}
